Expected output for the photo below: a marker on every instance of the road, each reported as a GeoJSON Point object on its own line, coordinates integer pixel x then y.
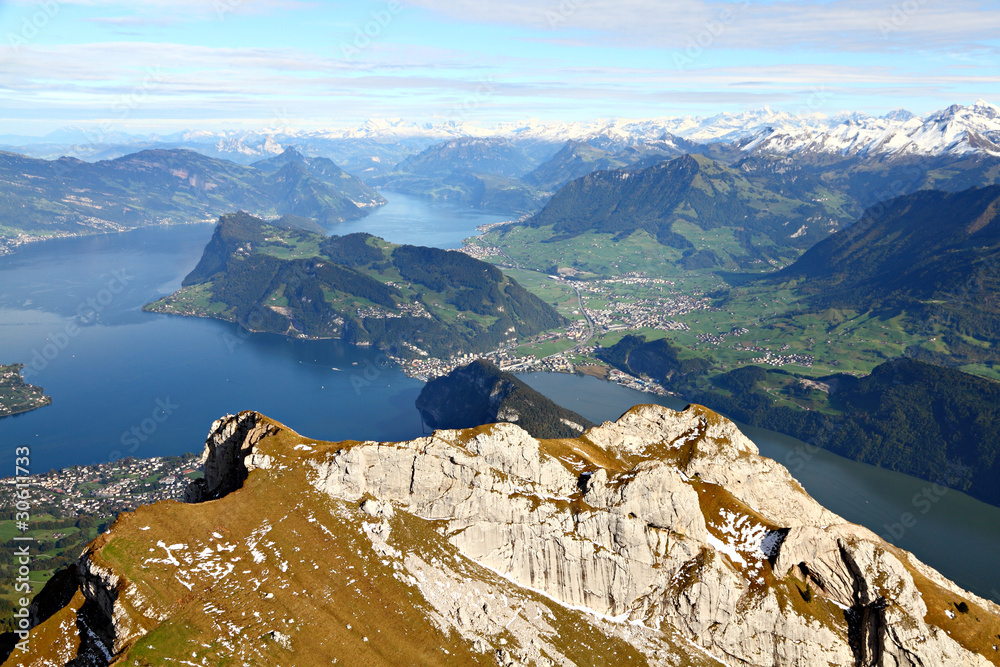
{"type": "Point", "coordinates": [579, 300]}
{"type": "Point", "coordinates": [590, 322]}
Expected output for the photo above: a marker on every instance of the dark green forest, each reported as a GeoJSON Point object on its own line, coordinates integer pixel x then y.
{"type": "Point", "coordinates": [657, 359]}
{"type": "Point", "coordinates": [468, 305]}
{"type": "Point", "coordinates": [934, 255]}
{"type": "Point", "coordinates": [693, 189]}
{"type": "Point", "coordinates": [480, 393]}
{"type": "Point", "coordinates": [933, 422]}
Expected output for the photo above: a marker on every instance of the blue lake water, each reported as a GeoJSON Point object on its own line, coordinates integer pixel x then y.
{"type": "Point", "coordinates": [125, 382]}
{"type": "Point", "coordinates": [419, 221]}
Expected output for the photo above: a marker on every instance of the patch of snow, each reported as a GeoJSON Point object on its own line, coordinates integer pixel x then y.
{"type": "Point", "coordinates": [745, 542]}
{"type": "Point", "coordinates": [726, 548]}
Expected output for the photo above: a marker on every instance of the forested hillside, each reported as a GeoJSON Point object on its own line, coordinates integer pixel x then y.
{"type": "Point", "coordinates": [480, 393]}
{"type": "Point", "coordinates": [935, 254]}
{"type": "Point", "coordinates": [69, 196]}
{"type": "Point", "coordinates": [692, 189]}
{"type": "Point", "coordinates": [412, 300]}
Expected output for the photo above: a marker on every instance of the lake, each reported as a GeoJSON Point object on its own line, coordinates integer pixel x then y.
{"type": "Point", "coordinates": [125, 382]}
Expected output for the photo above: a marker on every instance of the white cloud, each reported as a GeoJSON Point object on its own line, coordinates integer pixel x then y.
{"type": "Point", "coordinates": [173, 80]}
{"type": "Point", "coordinates": [838, 24]}
{"type": "Point", "coordinates": [158, 12]}
{"type": "Point", "coordinates": [540, 74]}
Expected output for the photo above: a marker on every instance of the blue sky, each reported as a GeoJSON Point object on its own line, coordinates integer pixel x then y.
{"type": "Point", "coordinates": [161, 66]}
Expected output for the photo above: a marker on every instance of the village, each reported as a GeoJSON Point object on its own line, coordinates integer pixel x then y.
{"type": "Point", "coordinates": [16, 395]}
{"type": "Point", "coordinates": [629, 302]}
{"type": "Point", "coordinates": [107, 489]}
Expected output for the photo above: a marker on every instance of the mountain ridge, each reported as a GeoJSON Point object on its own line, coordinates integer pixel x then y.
{"type": "Point", "coordinates": [930, 252]}
{"type": "Point", "coordinates": [753, 124]}
{"type": "Point", "coordinates": [503, 550]}
{"type": "Point", "coordinates": [693, 189]}
{"type": "Point", "coordinates": [159, 186]}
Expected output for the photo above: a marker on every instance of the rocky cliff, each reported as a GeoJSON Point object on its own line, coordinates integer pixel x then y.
{"type": "Point", "coordinates": [480, 393]}
{"type": "Point", "coordinates": [661, 539]}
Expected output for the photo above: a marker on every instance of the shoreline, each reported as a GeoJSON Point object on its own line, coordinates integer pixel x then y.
{"type": "Point", "coordinates": [444, 366]}
{"type": "Point", "coordinates": [11, 245]}
{"type": "Point", "coordinates": [26, 410]}
{"type": "Point", "coordinates": [19, 396]}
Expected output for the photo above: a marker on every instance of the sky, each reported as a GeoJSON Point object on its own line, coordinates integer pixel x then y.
{"type": "Point", "coordinates": [158, 66]}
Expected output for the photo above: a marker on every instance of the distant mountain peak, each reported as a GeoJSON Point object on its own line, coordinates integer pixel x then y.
{"type": "Point", "coordinates": [900, 114]}
{"type": "Point", "coordinates": [292, 152]}
{"type": "Point", "coordinates": [808, 132]}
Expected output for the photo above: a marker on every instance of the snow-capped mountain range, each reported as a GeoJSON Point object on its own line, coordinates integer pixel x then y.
{"type": "Point", "coordinates": [956, 130]}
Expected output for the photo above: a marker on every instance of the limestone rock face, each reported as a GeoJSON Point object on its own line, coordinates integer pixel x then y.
{"type": "Point", "coordinates": [663, 538]}
{"type": "Point", "coordinates": [689, 529]}
{"type": "Point", "coordinates": [228, 456]}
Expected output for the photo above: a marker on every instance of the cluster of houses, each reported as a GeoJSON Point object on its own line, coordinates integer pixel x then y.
{"type": "Point", "coordinates": [772, 359]}
{"type": "Point", "coordinates": [109, 488]}
{"type": "Point", "coordinates": [12, 243]}
{"type": "Point", "coordinates": [405, 310]}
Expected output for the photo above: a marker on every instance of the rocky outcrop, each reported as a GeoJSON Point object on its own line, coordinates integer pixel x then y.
{"type": "Point", "coordinates": [480, 393]}
{"type": "Point", "coordinates": [684, 526]}
{"type": "Point", "coordinates": [229, 455]}
{"type": "Point", "coordinates": [663, 538]}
